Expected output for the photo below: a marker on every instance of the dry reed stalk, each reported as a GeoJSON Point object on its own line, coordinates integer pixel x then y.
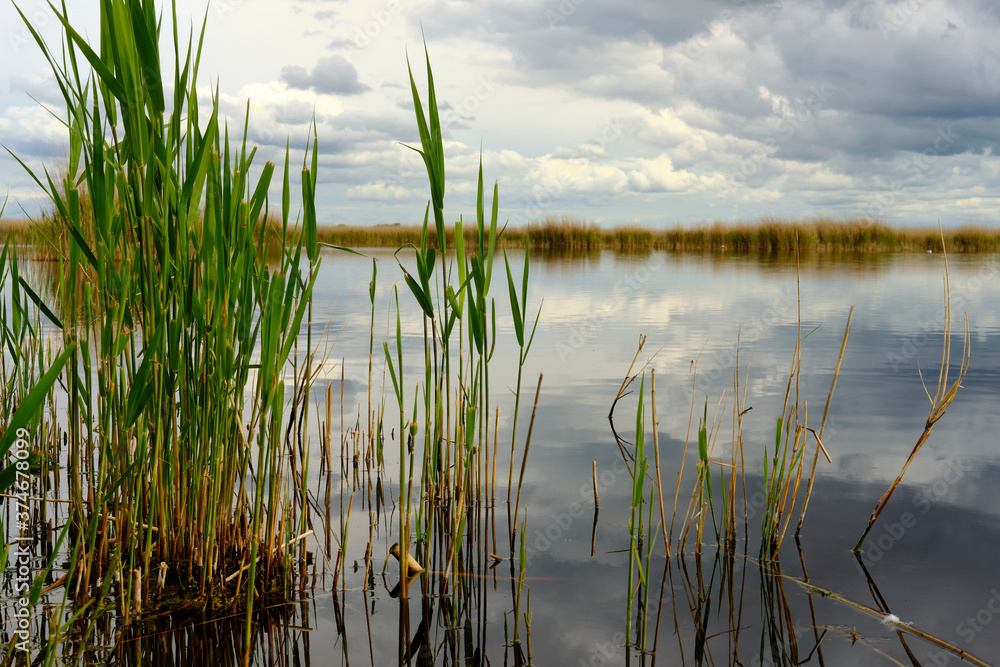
{"type": "Point", "coordinates": [940, 402]}
{"type": "Point", "coordinates": [890, 619]}
{"type": "Point", "coordinates": [822, 425]}
{"type": "Point", "coordinates": [137, 591]}
{"type": "Point", "coordinates": [597, 500]}
{"type": "Point", "coordinates": [622, 392]}
{"type": "Point", "coordinates": [527, 444]}
{"type": "Point", "coordinates": [738, 413]}
{"type": "Point", "coordinates": [800, 432]}
{"type": "Point", "coordinates": [697, 492]}
{"type": "Point", "coordinates": [693, 374]}
{"type": "Point", "coordinates": [656, 457]}
{"type": "Point", "coordinates": [326, 436]}
{"type": "Point", "coordinates": [412, 565]}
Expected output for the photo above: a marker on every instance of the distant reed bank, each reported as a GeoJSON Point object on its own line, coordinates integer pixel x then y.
{"type": "Point", "coordinates": [768, 236]}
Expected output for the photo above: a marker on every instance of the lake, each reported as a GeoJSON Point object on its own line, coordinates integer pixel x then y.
{"type": "Point", "coordinates": [930, 560]}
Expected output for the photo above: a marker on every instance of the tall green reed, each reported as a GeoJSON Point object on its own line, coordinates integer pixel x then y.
{"type": "Point", "coordinates": [177, 346]}
{"type": "Point", "coordinates": [635, 524]}
{"type": "Point", "coordinates": [452, 292]}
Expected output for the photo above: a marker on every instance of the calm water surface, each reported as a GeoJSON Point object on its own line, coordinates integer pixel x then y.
{"type": "Point", "coordinates": [932, 560]}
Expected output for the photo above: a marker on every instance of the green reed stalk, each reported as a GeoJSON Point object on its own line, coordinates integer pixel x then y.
{"type": "Point", "coordinates": [397, 385]}
{"type": "Point", "coordinates": [183, 318]}
{"type": "Point", "coordinates": [705, 476]}
{"type": "Point", "coordinates": [371, 349]}
{"type": "Point", "coordinates": [522, 563]}
{"type": "Point", "coordinates": [638, 495]}
{"type": "Point", "coordinates": [519, 312]}
{"type": "Point", "coordinates": [454, 391]}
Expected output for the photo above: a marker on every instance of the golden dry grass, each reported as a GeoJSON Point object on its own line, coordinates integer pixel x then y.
{"type": "Point", "coordinates": [768, 235]}
{"type": "Point", "coordinates": [764, 236]}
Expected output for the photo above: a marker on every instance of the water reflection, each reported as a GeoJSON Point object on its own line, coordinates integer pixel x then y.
{"type": "Point", "coordinates": [930, 561]}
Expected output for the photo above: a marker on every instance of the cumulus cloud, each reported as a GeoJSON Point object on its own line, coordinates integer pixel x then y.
{"type": "Point", "coordinates": [332, 75]}
{"type": "Point", "coordinates": [379, 190]}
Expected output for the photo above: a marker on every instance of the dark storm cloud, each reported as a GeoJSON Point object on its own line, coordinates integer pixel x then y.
{"type": "Point", "coordinates": [332, 75]}
{"type": "Point", "coordinates": [910, 59]}
{"type": "Point", "coordinates": [897, 70]}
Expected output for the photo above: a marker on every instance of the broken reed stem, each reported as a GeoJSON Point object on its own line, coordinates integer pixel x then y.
{"type": "Point", "coordinates": [836, 371]}
{"type": "Point", "coordinates": [627, 380]}
{"type": "Point", "coordinates": [656, 459]}
{"type": "Point", "coordinates": [626, 383]}
{"type": "Point", "coordinates": [597, 501]}
{"type": "Point", "coordinates": [822, 425]}
{"type": "Point", "coordinates": [899, 626]}
{"type": "Point", "coordinates": [286, 545]}
{"type": "Point", "coordinates": [527, 444]}
{"type": "Point", "coordinates": [940, 402]}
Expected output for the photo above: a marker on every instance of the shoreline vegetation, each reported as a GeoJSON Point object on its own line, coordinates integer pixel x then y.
{"type": "Point", "coordinates": [767, 235]}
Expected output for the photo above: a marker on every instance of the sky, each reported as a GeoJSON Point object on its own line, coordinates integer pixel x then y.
{"type": "Point", "coordinates": [614, 112]}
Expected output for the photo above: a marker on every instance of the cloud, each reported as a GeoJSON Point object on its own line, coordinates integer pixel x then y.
{"type": "Point", "coordinates": [379, 191]}
{"type": "Point", "coordinates": [611, 109]}
{"type": "Point", "coordinates": [659, 175]}
{"type": "Point", "coordinates": [332, 75]}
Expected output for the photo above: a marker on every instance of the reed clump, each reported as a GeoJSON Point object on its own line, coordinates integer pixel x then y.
{"type": "Point", "coordinates": [175, 332]}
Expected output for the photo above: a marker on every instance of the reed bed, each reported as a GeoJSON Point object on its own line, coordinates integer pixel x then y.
{"type": "Point", "coordinates": [765, 236]}
{"type": "Point", "coordinates": [768, 236]}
